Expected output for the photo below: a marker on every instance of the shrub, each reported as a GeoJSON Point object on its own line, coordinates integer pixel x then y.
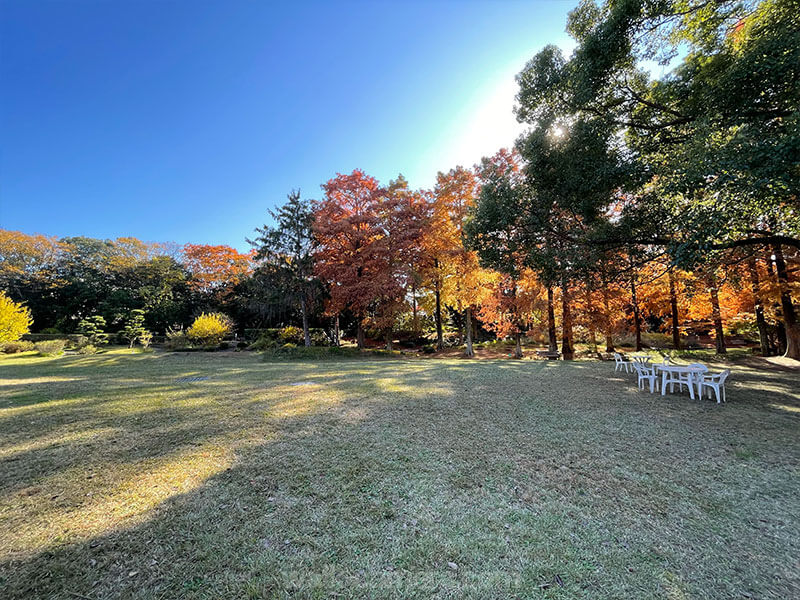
{"type": "Point", "coordinates": [76, 342]}
{"type": "Point", "coordinates": [134, 328]}
{"type": "Point", "coordinates": [51, 330]}
{"type": "Point", "coordinates": [746, 328]}
{"type": "Point", "coordinates": [656, 340]}
{"type": "Point", "coordinates": [51, 347]}
{"type": "Point", "coordinates": [16, 347]}
{"type": "Point", "coordinates": [291, 351]}
{"type": "Point", "coordinates": [145, 339]}
{"type": "Point", "coordinates": [15, 319]}
{"type": "Point", "coordinates": [94, 329]}
{"type": "Point", "coordinates": [318, 338]}
{"type": "Point", "coordinates": [241, 345]}
{"type": "Point", "coordinates": [273, 338]}
{"type": "Point", "coordinates": [209, 329]}
{"type": "Point", "coordinates": [292, 335]}
{"type": "Point", "coordinates": [265, 342]}
{"type": "Point", "coordinates": [255, 334]}
{"type": "Point", "coordinates": [428, 349]}
{"type": "Point", "coordinates": [88, 349]}
{"type": "Point", "coordinates": [176, 338]}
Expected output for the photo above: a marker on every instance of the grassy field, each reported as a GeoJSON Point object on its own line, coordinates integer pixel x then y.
{"type": "Point", "coordinates": [223, 476]}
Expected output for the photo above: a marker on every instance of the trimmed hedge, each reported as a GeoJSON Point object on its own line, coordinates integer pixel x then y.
{"type": "Point", "coordinates": [274, 333]}
{"type": "Point", "coordinates": [75, 338]}
{"type": "Point", "coordinates": [51, 347]}
{"type": "Point", "coordinates": [292, 352]}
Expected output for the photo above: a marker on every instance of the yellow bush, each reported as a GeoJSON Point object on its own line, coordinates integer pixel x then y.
{"type": "Point", "coordinates": [209, 329]}
{"type": "Point", "coordinates": [15, 319]}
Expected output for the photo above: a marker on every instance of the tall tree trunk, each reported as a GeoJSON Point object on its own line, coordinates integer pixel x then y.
{"type": "Point", "coordinates": [468, 318]}
{"type": "Point", "coordinates": [551, 322]}
{"type": "Point", "coordinates": [715, 313]}
{"type": "Point", "coordinates": [761, 322]}
{"type": "Point", "coordinates": [415, 319]}
{"type": "Point", "coordinates": [438, 311]}
{"type": "Point", "coordinates": [360, 335]}
{"type": "Point", "coordinates": [673, 303]}
{"type": "Point", "coordinates": [388, 337]}
{"type": "Point", "coordinates": [780, 330]}
{"type": "Point", "coordinates": [637, 317]}
{"type": "Point", "coordinates": [607, 318]}
{"type": "Point", "coordinates": [781, 340]}
{"type": "Point", "coordinates": [518, 345]}
{"type": "Point", "coordinates": [567, 351]}
{"type": "Point", "coordinates": [787, 307]}
{"type": "Point", "coordinates": [590, 323]}
{"type": "Point", "coordinates": [304, 313]}
{"type": "Point", "coordinates": [336, 335]}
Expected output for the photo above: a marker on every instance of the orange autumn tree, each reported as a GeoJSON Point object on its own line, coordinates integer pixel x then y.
{"type": "Point", "coordinates": [722, 295]}
{"type": "Point", "coordinates": [663, 295]}
{"type": "Point", "coordinates": [29, 269]}
{"type": "Point", "coordinates": [467, 288]}
{"type": "Point", "coordinates": [350, 255]}
{"type": "Point", "coordinates": [514, 306]}
{"type": "Point", "coordinates": [589, 313]}
{"type": "Point", "coordinates": [453, 273]}
{"type": "Point", "coordinates": [216, 269]}
{"type": "Point", "coordinates": [25, 257]}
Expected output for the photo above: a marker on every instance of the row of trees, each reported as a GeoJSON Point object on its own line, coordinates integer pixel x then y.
{"type": "Point", "coordinates": [65, 281]}
{"type": "Point", "coordinates": [696, 169]}
{"type": "Point", "coordinates": [632, 204]}
{"type": "Point", "coordinates": [396, 259]}
{"type": "Point", "coordinates": [393, 261]}
{"type": "Point", "coordinates": [683, 187]}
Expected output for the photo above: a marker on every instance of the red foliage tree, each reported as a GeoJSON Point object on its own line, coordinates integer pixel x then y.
{"type": "Point", "coordinates": [368, 239]}
{"type": "Point", "coordinates": [403, 216]}
{"type": "Point", "coordinates": [349, 258]}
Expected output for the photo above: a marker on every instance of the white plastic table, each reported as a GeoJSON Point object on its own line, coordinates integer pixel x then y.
{"type": "Point", "coordinates": [668, 369]}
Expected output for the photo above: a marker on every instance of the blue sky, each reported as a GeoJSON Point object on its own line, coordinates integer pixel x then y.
{"type": "Point", "coordinates": [184, 121]}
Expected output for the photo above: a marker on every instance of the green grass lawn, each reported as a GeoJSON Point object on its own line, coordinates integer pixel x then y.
{"type": "Point", "coordinates": [390, 478]}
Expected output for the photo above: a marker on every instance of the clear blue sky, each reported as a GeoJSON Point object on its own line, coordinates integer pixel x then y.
{"type": "Point", "coordinates": [185, 120]}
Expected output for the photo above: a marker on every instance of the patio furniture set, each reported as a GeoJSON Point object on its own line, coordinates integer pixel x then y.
{"type": "Point", "coordinates": [668, 374]}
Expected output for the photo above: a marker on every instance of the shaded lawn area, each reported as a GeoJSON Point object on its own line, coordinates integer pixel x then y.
{"type": "Point", "coordinates": [390, 479]}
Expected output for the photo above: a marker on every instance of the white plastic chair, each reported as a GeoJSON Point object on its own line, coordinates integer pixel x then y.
{"type": "Point", "coordinates": [687, 379]}
{"type": "Point", "coordinates": [665, 362]}
{"type": "Point", "coordinates": [714, 382]}
{"type": "Point", "coordinates": [621, 363]}
{"type": "Point", "coordinates": [646, 373]}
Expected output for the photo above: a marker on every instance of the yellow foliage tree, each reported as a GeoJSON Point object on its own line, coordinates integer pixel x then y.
{"type": "Point", "coordinates": [209, 329]}
{"type": "Point", "coordinates": [15, 319]}
{"type": "Point", "coordinates": [454, 273]}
